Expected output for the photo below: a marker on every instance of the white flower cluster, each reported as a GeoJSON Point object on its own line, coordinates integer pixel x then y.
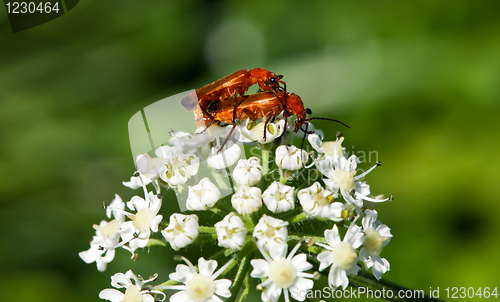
{"type": "Point", "coordinates": [129, 234]}
{"type": "Point", "coordinates": [258, 223]}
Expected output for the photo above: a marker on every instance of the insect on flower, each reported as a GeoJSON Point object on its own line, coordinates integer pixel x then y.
{"type": "Point", "coordinates": [266, 105]}
{"type": "Point", "coordinates": [230, 86]}
{"type": "Point", "coordinates": [218, 102]}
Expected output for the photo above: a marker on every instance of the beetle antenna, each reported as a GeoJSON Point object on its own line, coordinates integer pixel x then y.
{"type": "Point", "coordinates": [285, 111]}
{"type": "Point", "coordinates": [326, 119]}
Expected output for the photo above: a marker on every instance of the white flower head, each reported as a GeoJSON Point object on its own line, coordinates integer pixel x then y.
{"type": "Point", "coordinates": [179, 168]}
{"type": "Point", "coordinates": [101, 249]}
{"type": "Point", "coordinates": [231, 232]}
{"type": "Point", "coordinates": [229, 154]}
{"type": "Point", "coordinates": [137, 231]}
{"type": "Point", "coordinates": [290, 157]}
{"type": "Point", "coordinates": [279, 197]}
{"type": "Point", "coordinates": [133, 289]}
{"type": "Point", "coordinates": [377, 236]}
{"type": "Point", "coordinates": [270, 231]}
{"type": "Point", "coordinates": [181, 230]}
{"type": "Point", "coordinates": [248, 172]}
{"type": "Point", "coordinates": [255, 132]}
{"type": "Point", "coordinates": [285, 274]}
{"type": "Point", "coordinates": [199, 287]}
{"type": "Point", "coordinates": [202, 196]}
{"type": "Point", "coordinates": [341, 255]}
{"type": "Point", "coordinates": [246, 200]}
{"type": "Point", "coordinates": [320, 202]}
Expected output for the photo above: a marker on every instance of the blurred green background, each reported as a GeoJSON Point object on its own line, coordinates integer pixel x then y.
{"type": "Point", "coordinates": [417, 81]}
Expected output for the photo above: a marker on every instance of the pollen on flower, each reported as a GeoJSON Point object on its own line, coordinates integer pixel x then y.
{"type": "Point", "coordinates": [374, 242]}
{"type": "Point", "coordinates": [142, 220]}
{"type": "Point", "coordinates": [132, 294]}
{"type": "Point", "coordinates": [200, 288]}
{"type": "Point", "coordinates": [282, 273]}
{"type": "Point", "coordinates": [330, 147]}
{"type": "Point", "coordinates": [344, 255]}
{"type": "Point", "coordinates": [345, 179]}
{"type": "Point", "coordinates": [110, 229]}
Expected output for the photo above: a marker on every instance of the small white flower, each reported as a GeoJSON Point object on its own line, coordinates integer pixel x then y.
{"type": "Point", "coordinates": [284, 274]}
{"type": "Point", "coordinates": [137, 181]}
{"type": "Point", "coordinates": [137, 231]}
{"type": "Point", "coordinates": [181, 230]}
{"type": "Point", "coordinates": [133, 290]}
{"type": "Point", "coordinates": [189, 143]}
{"type": "Point", "coordinates": [101, 249]}
{"type": "Point", "coordinates": [377, 236]}
{"type": "Point", "coordinates": [248, 172]}
{"type": "Point", "coordinates": [246, 200]}
{"type": "Point", "coordinates": [116, 208]}
{"type": "Point", "coordinates": [149, 166]}
{"type": "Point", "coordinates": [231, 232]}
{"type": "Point", "coordinates": [179, 168]}
{"type": "Point", "coordinates": [199, 287]}
{"type": "Point", "coordinates": [229, 154]}
{"type": "Point", "coordinates": [202, 196]}
{"type": "Point", "coordinates": [290, 157]}
{"type": "Point", "coordinates": [166, 152]}
{"type": "Point", "coordinates": [279, 197]}
{"type": "Point", "coordinates": [340, 173]}
{"type": "Point", "coordinates": [319, 202]}
{"type": "Point", "coordinates": [148, 170]}
{"type": "Point", "coordinates": [270, 231]}
{"type": "Point", "coordinates": [341, 255]}
{"type": "Point", "coordinates": [255, 132]}
{"type": "Point", "coordinates": [327, 148]}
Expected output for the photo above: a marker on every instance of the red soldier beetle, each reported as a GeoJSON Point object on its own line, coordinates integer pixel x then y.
{"type": "Point", "coordinates": [231, 85]}
{"type": "Point", "coordinates": [262, 105]}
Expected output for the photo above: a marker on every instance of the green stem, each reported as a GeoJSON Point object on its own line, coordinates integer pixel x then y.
{"type": "Point", "coordinates": [299, 236]}
{"type": "Point", "coordinates": [283, 180]}
{"type": "Point", "coordinates": [218, 210]}
{"type": "Point", "coordinates": [240, 277]}
{"type": "Point", "coordinates": [246, 290]}
{"type": "Point", "coordinates": [304, 247]}
{"type": "Point", "coordinates": [205, 238]}
{"type": "Point", "coordinates": [297, 218]}
{"type": "Point", "coordinates": [221, 207]}
{"type": "Point", "coordinates": [206, 230]}
{"type": "Point", "coordinates": [265, 157]}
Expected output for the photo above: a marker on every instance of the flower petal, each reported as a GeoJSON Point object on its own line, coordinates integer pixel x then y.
{"type": "Point", "coordinates": [180, 297]}
{"type": "Point", "coordinates": [260, 268]}
{"type": "Point", "coordinates": [112, 295]}
{"type": "Point", "coordinates": [332, 236]}
{"type": "Point", "coordinates": [337, 277]}
{"type": "Point", "coordinates": [222, 287]}
{"type": "Point", "coordinates": [207, 267]}
{"type": "Point", "coordinates": [326, 259]}
{"type": "Point", "coordinates": [354, 236]}
{"type": "Point", "coordinates": [300, 264]}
